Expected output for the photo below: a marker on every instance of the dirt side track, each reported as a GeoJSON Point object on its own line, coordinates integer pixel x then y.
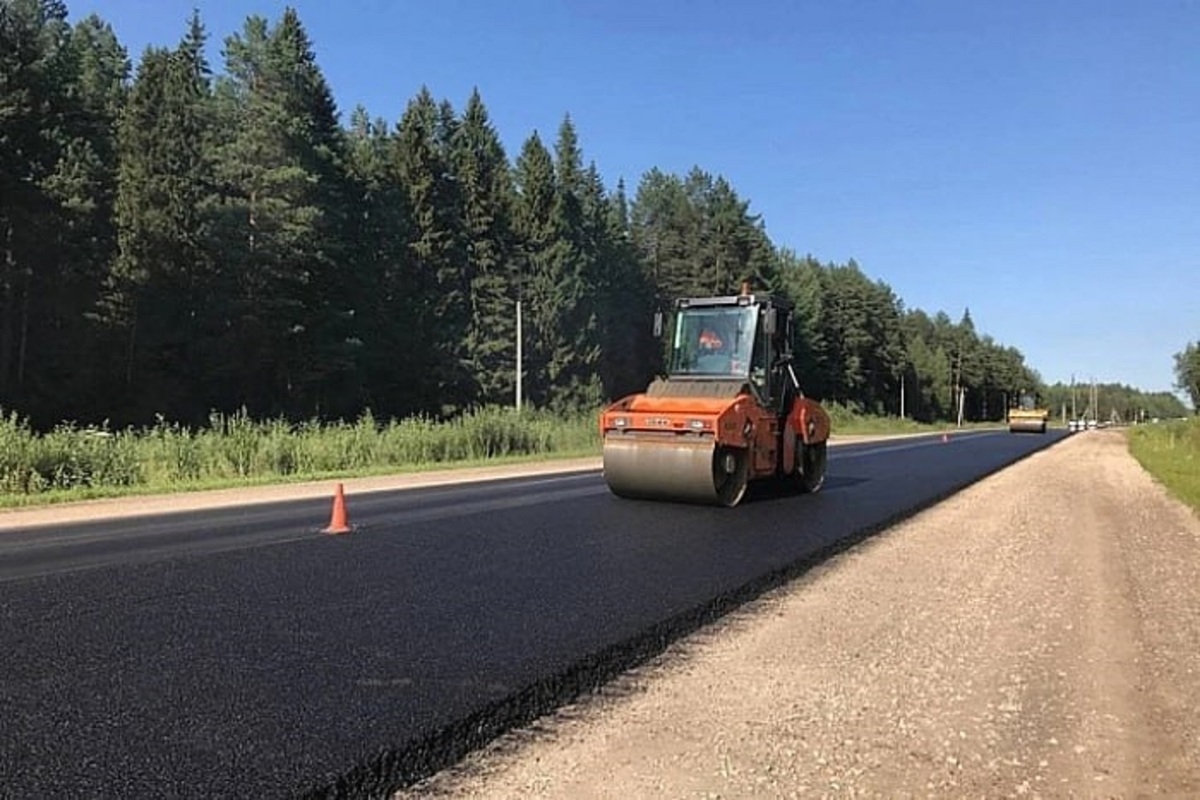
{"type": "Point", "coordinates": [1035, 635]}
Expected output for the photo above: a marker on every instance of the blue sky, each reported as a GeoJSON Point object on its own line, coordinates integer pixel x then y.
{"type": "Point", "coordinates": [1035, 162]}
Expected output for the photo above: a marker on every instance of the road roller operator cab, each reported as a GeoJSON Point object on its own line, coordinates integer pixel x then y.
{"type": "Point", "coordinates": [730, 409]}
{"type": "Point", "coordinates": [741, 338]}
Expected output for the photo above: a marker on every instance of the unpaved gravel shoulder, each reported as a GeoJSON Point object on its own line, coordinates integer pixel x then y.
{"type": "Point", "coordinates": [1035, 635]}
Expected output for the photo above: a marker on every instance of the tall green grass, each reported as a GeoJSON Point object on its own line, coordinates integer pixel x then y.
{"type": "Point", "coordinates": [72, 462]}
{"type": "Point", "coordinates": [1170, 451]}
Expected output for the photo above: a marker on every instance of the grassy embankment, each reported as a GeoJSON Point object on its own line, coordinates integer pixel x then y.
{"type": "Point", "coordinates": [73, 463]}
{"type": "Point", "coordinates": [1170, 452]}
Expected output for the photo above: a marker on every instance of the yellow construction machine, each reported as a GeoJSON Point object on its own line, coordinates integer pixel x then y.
{"type": "Point", "coordinates": [1027, 417]}
{"type": "Point", "coordinates": [729, 411]}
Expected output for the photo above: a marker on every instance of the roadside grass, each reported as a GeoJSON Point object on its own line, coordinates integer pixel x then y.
{"type": "Point", "coordinates": [74, 463]}
{"type": "Point", "coordinates": [82, 463]}
{"type": "Point", "coordinates": [1170, 451]}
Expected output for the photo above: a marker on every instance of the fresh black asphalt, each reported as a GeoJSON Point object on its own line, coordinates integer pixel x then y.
{"type": "Point", "coordinates": [241, 653]}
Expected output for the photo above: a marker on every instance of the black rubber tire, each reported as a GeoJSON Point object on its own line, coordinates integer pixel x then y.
{"type": "Point", "coordinates": [810, 466]}
{"type": "Point", "coordinates": [730, 475]}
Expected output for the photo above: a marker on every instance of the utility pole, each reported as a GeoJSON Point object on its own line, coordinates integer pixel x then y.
{"type": "Point", "coordinates": [955, 377]}
{"type": "Point", "coordinates": [901, 395]}
{"type": "Point", "coordinates": [520, 356]}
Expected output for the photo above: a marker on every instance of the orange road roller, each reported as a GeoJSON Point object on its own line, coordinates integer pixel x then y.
{"type": "Point", "coordinates": [729, 411]}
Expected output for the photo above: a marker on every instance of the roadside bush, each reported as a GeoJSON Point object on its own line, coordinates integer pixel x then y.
{"type": "Point", "coordinates": [78, 458]}
{"type": "Point", "coordinates": [17, 474]}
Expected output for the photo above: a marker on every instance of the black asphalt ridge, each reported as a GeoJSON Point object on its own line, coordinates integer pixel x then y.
{"type": "Point", "coordinates": [241, 653]}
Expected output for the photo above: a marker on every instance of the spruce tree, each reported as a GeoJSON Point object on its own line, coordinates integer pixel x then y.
{"type": "Point", "coordinates": [64, 354]}
{"type": "Point", "coordinates": [630, 355]}
{"type": "Point", "coordinates": [800, 280]}
{"type": "Point", "coordinates": [485, 183]}
{"type": "Point", "coordinates": [536, 286]}
{"type": "Point", "coordinates": [384, 287]}
{"type": "Point", "coordinates": [573, 264]}
{"type": "Point", "coordinates": [439, 327]}
{"type": "Point", "coordinates": [161, 291]}
{"type": "Point", "coordinates": [928, 385]}
{"type": "Point", "coordinates": [866, 351]}
{"type": "Point", "coordinates": [283, 224]}
{"type": "Point", "coordinates": [557, 275]}
{"type": "Point", "coordinates": [35, 76]}
{"type": "Point", "coordinates": [665, 231]}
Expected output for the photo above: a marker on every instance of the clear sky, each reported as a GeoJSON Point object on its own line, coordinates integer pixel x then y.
{"type": "Point", "coordinates": [1035, 161]}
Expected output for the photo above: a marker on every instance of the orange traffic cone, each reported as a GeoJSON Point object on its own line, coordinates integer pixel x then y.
{"type": "Point", "coordinates": [337, 521]}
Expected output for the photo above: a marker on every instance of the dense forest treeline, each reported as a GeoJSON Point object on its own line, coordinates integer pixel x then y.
{"type": "Point", "coordinates": [174, 242]}
{"type": "Point", "coordinates": [1110, 402]}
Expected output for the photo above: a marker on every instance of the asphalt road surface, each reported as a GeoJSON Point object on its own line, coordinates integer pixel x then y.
{"type": "Point", "coordinates": [1032, 636]}
{"type": "Point", "coordinates": [239, 652]}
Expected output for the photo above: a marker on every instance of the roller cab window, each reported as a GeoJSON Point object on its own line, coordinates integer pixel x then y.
{"type": "Point", "coordinates": [715, 342]}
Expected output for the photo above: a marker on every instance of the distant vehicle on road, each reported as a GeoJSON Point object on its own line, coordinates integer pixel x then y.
{"type": "Point", "coordinates": [1028, 415]}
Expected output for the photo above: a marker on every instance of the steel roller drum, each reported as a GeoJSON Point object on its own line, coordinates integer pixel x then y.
{"type": "Point", "coordinates": [672, 468]}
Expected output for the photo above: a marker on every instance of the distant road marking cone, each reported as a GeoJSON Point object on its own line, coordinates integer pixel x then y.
{"type": "Point", "coordinates": [945, 437]}
{"type": "Point", "coordinates": [337, 521]}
